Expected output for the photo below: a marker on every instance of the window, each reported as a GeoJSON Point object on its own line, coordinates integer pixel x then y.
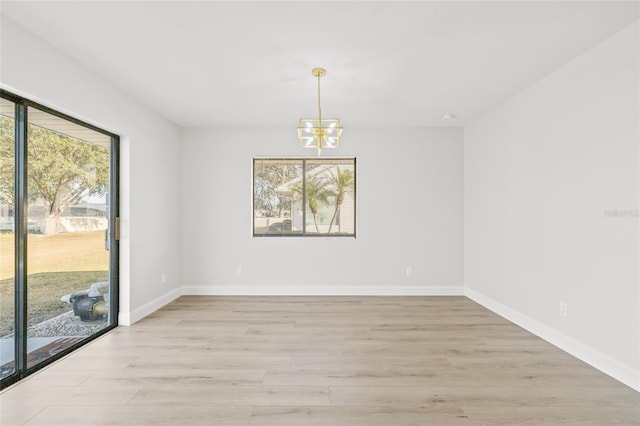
{"type": "Point", "coordinates": [304, 197]}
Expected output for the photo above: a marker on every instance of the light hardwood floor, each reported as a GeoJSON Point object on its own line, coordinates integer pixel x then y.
{"type": "Point", "coordinates": [320, 361]}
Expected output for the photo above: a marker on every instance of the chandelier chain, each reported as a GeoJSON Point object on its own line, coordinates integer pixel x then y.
{"type": "Point", "coordinates": [319, 113]}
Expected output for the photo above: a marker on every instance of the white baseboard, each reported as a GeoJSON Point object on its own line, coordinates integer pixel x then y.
{"type": "Point", "coordinates": [259, 290]}
{"type": "Point", "coordinates": [124, 318]}
{"type": "Point", "coordinates": [132, 317]}
{"type": "Point", "coordinates": [591, 356]}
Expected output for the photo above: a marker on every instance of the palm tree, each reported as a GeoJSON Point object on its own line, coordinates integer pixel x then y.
{"type": "Point", "coordinates": [343, 182]}
{"type": "Point", "coordinates": [316, 192]}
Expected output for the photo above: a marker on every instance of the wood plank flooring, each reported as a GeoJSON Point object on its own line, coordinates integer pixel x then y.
{"type": "Point", "coordinates": [320, 361]}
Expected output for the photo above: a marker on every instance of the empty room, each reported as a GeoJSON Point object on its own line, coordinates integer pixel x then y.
{"type": "Point", "coordinates": [319, 213]}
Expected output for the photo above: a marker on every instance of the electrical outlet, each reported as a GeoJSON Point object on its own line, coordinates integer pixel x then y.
{"type": "Point", "coordinates": [163, 278]}
{"type": "Point", "coordinates": [239, 270]}
{"type": "Point", "coordinates": [564, 309]}
{"type": "Point", "coordinates": [409, 271]}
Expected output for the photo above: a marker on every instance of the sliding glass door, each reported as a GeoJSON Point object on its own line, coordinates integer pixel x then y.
{"type": "Point", "coordinates": [58, 236]}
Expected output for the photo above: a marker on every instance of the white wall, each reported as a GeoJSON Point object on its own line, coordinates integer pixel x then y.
{"type": "Point", "coordinates": [150, 166]}
{"type": "Point", "coordinates": [409, 213]}
{"type": "Point", "coordinates": [546, 173]}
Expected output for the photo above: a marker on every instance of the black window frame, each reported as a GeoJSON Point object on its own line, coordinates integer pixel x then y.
{"type": "Point", "coordinates": [303, 233]}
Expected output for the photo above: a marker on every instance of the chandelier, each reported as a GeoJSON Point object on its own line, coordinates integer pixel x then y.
{"type": "Point", "coordinates": [319, 133]}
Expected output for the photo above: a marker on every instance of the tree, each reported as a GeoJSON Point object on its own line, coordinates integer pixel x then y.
{"type": "Point", "coordinates": [343, 182]}
{"type": "Point", "coordinates": [269, 175]}
{"type": "Point", "coordinates": [7, 162]}
{"type": "Point", "coordinates": [316, 192]}
{"type": "Point", "coordinates": [61, 170]}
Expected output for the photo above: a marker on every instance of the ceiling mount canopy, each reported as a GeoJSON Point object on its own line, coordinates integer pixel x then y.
{"type": "Point", "coordinates": [319, 133]}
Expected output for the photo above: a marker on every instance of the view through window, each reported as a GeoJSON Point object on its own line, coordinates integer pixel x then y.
{"type": "Point", "coordinates": [7, 238]}
{"type": "Point", "coordinates": [304, 197]}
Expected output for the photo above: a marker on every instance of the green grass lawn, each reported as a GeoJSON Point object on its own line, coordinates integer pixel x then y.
{"type": "Point", "coordinates": [56, 265]}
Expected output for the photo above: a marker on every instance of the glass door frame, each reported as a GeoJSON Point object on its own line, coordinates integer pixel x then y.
{"type": "Point", "coordinates": [21, 232]}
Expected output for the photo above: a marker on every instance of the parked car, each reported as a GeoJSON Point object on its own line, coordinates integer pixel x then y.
{"type": "Point", "coordinates": [285, 225]}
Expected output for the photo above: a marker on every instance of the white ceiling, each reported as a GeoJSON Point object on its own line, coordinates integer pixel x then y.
{"type": "Point", "coordinates": [241, 64]}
